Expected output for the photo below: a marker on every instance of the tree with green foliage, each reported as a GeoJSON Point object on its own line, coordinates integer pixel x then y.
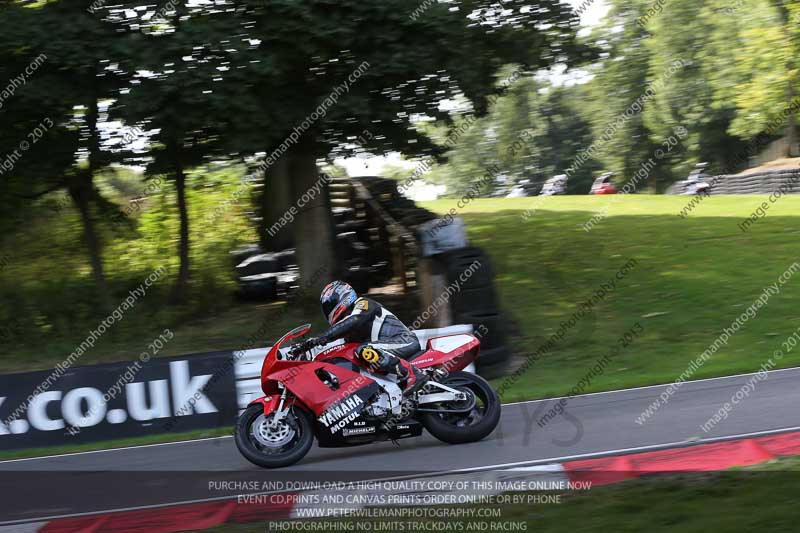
{"type": "Point", "coordinates": [566, 132]}
{"type": "Point", "coordinates": [179, 93]}
{"type": "Point", "coordinates": [682, 94]}
{"type": "Point", "coordinates": [530, 134]}
{"type": "Point", "coordinates": [58, 108]}
{"type": "Point", "coordinates": [756, 67]}
{"type": "Point", "coordinates": [619, 79]}
{"type": "Point", "coordinates": [326, 71]}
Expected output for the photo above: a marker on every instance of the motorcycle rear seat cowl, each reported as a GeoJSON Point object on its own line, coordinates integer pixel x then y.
{"type": "Point", "coordinates": [416, 355]}
{"type": "Point", "coordinates": [424, 335]}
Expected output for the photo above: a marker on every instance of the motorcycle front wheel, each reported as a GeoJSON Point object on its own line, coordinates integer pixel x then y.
{"type": "Point", "coordinates": [270, 444]}
{"type": "Point", "coordinates": [472, 425]}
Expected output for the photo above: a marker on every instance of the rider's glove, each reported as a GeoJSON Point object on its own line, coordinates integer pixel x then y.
{"type": "Point", "coordinates": [313, 343]}
{"type": "Point", "coordinates": [305, 346]}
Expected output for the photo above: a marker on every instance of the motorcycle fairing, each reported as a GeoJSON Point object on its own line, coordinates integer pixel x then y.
{"type": "Point", "coordinates": [454, 352]}
{"type": "Point", "coordinates": [275, 367]}
{"type": "Point", "coordinates": [345, 422]}
{"type": "Point", "coordinates": [362, 431]}
{"type": "Point", "coordinates": [270, 403]}
{"type": "Point", "coordinates": [305, 383]}
{"type": "Point", "coordinates": [408, 428]}
{"type": "Point", "coordinates": [342, 351]}
{"type": "Point", "coordinates": [272, 363]}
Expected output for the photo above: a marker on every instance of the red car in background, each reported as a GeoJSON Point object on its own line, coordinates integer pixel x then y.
{"type": "Point", "coordinates": [603, 185]}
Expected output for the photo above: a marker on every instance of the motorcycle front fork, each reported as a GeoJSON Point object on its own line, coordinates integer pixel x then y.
{"type": "Point", "coordinates": [280, 413]}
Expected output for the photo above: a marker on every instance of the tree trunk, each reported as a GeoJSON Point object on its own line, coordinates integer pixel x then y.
{"type": "Point", "coordinates": [791, 127]}
{"type": "Point", "coordinates": [791, 120]}
{"type": "Point", "coordinates": [182, 283]}
{"type": "Point", "coordinates": [276, 200]}
{"type": "Point", "coordinates": [81, 191]}
{"type": "Point", "coordinates": [313, 225]}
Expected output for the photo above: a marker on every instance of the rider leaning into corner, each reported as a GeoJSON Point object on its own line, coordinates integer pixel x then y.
{"type": "Point", "coordinates": [385, 341]}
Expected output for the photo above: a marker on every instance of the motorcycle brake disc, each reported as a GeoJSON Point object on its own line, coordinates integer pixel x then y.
{"type": "Point", "coordinates": [272, 435]}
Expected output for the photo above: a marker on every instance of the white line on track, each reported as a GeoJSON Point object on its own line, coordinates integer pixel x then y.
{"type": "Point", "coordinates": [209, 439]}
{"type": "Point", "coordinates": [499, 466]}
{"type": "Point", "coordinates": [72, 454]}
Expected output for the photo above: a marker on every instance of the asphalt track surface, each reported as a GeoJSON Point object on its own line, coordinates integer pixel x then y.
{"type": "Point", "coordinates": [592, 425]}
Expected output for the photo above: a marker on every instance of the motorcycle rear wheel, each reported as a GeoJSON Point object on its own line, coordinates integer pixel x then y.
{"type": "Point", "coordinates": [273, 446]}
{"type": "Point", "coordinates": [473, 425]}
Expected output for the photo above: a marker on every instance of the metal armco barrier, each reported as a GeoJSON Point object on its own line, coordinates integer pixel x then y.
{"type": "Point", "coordinates": [759, 182]}
{"type": "Point", "coordinates": [131, 399]}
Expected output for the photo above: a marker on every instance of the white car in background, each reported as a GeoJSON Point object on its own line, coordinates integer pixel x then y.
{"type": "Point", "coordinates": [555, 185]}
{"type": "Point", "coordinates": [696, 182]}
{"type": "Point", "coordinates": [521, 190]}
{"type": "Point", "coordinates": [518, 192]}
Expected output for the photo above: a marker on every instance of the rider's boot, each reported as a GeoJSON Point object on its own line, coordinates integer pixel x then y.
{"type": "Point", "coordinates": [410, 378]}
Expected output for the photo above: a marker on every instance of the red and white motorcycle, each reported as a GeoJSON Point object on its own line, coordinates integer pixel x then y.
{"type": "Point", "coordinates": [328, 394]}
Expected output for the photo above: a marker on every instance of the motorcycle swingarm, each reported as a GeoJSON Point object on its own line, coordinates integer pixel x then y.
{"type": "Point", "coordinates": [466, 409]}
{"type": "Point", "coordinates": [450, 395]}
